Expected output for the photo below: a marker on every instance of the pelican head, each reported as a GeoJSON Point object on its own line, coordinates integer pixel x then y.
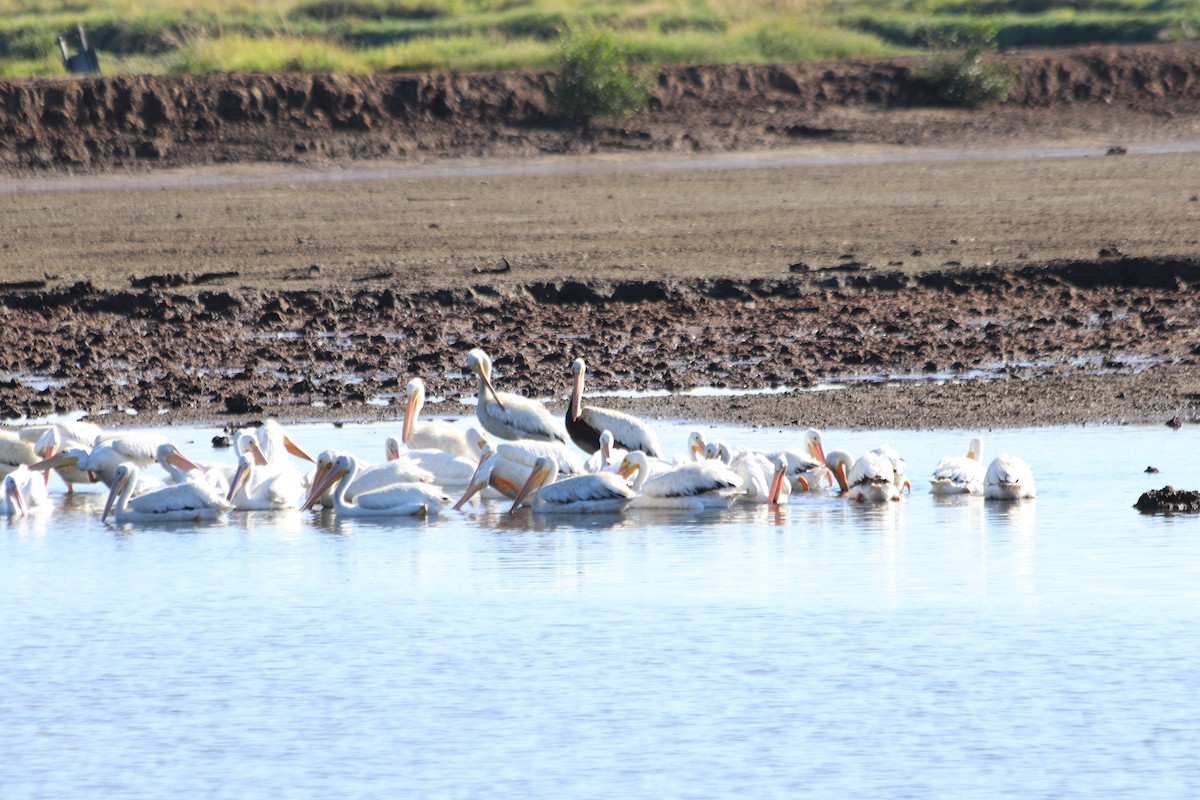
{"type": "Point", "coordinates": [780, 490]}
{"type": "Point", "coordinates": [696, 446]}
{"type": "Point", "coordinates": [121, 478]}
{"type": "Point", "coordinates": [545, 470]}
{"type": "Point", "coordinates": [391, 446]}
{"type": "Point", "coordinates": [169, 453]}
{"type": "Point", "coordinates": [480, 478]}
{"type": "Point", "coordinates": [324, 465]}
{"type": "Point", "coordinates": [480, 363]}
{"type": "Point", "coordinates": [812, 442]}
{"type": "Point", "coordinates": [16, 502]}
{"type": "Point", "coordinates": [416, 399]}
{"type": "Point", "coordinates": [975, 450]}
{"type": "Point", "coordinates": [839, 462]}
{"type": "Point", "coordinates": [340, 467]}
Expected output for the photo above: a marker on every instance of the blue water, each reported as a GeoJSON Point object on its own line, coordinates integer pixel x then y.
{"type": "Point", "coordinates": [927, 649]}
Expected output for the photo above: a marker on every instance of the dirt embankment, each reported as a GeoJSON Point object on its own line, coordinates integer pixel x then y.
{"type": "Point", "coordinates": [1050, 330]}
{"type": "Point", "coordinates": [102, 123]}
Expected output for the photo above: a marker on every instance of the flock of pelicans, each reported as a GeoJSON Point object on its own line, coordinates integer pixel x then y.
{"type": "Point", "coordinates": [523, 453]}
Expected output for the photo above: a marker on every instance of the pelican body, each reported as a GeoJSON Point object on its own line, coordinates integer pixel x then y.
{"type": "Point", "coordinates": [705, 484]}
{"type": "Point", "coordinates": [1008, 478]}
{"type": "Point", "coordinates": [603, 493]}
{"type": "Point", "coordinates": [406, 499]}
{"type": "Point", "coordinates": [960, 474]}
{"type": "Point", "coordinates": [182, 502]}
{"type": "Point", "coordinates": [585, 423]}
{"type": "Point", "coordinates": [434, 435]}
{"type": "Point", "coordinates": [508, 415]}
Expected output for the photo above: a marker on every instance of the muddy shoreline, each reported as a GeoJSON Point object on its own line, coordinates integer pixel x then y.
{"type": "Point", "coordinates": [860, 253]}
{"type": "Point", "coordinates": [1057, 343]}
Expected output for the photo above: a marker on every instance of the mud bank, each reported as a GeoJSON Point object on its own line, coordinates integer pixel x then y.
{"type": "Point", "coordinates": [1035, 344]}
{"type": "Point", "coordinates": [122, 122]}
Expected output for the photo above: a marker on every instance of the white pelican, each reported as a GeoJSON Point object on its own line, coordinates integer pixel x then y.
{"type": "Point", "coordinates": [25, 493]}
{"type": "Point", "coordinates": [763, 476]}
{"type": "Point", "coordinates": [696, 447]}
{"type": "Point", "coordinates": [276, 443]}
{"type": "Point", "coordinates": [370, 477]}
{"type": "Point", "coordinates": [508, 415]}
{"type": "Point", "coordinates": [112, 450]}
{"type": "Point", "coordinates": [960, 474]}
{"type": "Point", "coordinates": [504, 476]}
{"type": "Point", "coordinates": [186, 501]}
{"type": "Point", "coordinates": [705, 484]}
{"type": "Point", "coordinates": [781, 487]}
{"type": "Point", "coordinates": [435, 435]}
{"type": "Point", "coordinates": [585, 423]}
{"type": "Point", "coordinates": [603, 493]}
{"type": "Point", "coordinates": [15, 452]}
{"type": "Point", "coordinates": [873, 478]}
{"type": "Point", "coordinates": [176, 464]}
{"type": "Point", "coordinates": [406, 499]}
{"type": "Point", "coordinates": [605, 459]}
{"type": "Point", "coordinates": [526, 451]}
{"type": "Point", "coordinates": [264, 487]}
{"type": "Point", "coordinates": [1008, 478]}
{"type": "Point", "coordinates": [447, 468]}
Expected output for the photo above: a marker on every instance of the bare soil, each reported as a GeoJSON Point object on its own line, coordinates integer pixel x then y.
{"type": "Point", "coordinates": [798, 227]}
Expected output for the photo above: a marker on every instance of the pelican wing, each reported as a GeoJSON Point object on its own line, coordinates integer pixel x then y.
{"type": "Point", "coordinates": [586, 489]}
{"type": "Point", "coordinates": [389, 473]}
{"type": "Point", "coordinates": [14, 452]}
{"type": "Point", "coordinates": [872, 468]}
{"type": "Point", "coordinates": [444, 467]}
{"type": "Point", "coordinates": [402, 498]}
{"type": "Point", "coordinates": [691, 480]}
{"type": "Point", "coordinates": [140, 448]}
{"type": "Point", "coordinates": [629, 432]}
{"type": "Point", "coordinates": [1009, 477]}
{"type": "Point", "coordinates": [437, 435]}
{"type": "Point", "coordinates": [520, 418]}
{"type": "Point", "coordinates": [527, 451]}
{"type": "Point", "coordinates": [957, 475]}
{"type": "Point", "coordinates": [183, 497]}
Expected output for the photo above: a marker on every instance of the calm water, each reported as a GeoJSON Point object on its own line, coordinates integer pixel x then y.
{"type": "Point", "coordinates": [924, 649]}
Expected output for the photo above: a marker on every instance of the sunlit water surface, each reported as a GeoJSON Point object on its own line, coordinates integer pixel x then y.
{"type": "Point", "coordinates": [922, 649]}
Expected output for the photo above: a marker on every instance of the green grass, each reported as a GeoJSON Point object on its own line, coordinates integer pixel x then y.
{"type": "Point", "coordinates": [166, 36]}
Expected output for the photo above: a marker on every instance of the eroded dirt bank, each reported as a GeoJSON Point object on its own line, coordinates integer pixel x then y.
{"type": "Point", "coordinates": [118, 122]}
{"type": "Point", "coordinates": [1109, 340]}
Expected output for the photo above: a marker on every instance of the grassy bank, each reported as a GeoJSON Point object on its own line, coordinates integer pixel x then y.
{"type": "Point", "coordinates": [182, 36]}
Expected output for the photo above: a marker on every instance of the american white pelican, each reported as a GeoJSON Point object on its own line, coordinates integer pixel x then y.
{"type": "Point", "coordinates": [186, 501]}
{"type": "Point", "coordinates": [15, 452]}
{"type": "Point", "coordinates": [25, 493]}
{"type": "Point", "coordinates": [508, 415]}
{"type": "Point", "coordinates": [607, 457]}
{"type": "Point", "coordinates": [370, 477]}
{"type": "Point", "coordinates": [526, 451]}
{"type": "Point", "coordinates": [264, 487]}
{"type": "Point", "coordinates": [112, 450]}
{"type": "Point", "coordinates": [781, 487]}
{"type": "Point", "coordinates": [275, 443]}
{"type": "Point", "coordinates": [447, 469]}
{"type": "Point", "coordinates": [408, 499]}
{"type": "Point", "coordinates": [177, 466]}
{"type": "Point", "coordinates": [762, 476]}
{"type": "Point", "coordinates": [705, 484]}
{"type": "Point", "coordinates": [960, 474]}
{"type": "Point", "coordinates": [505, 476]}
{"type": "Point", "coordinates": [1008, 478]}
{"type": "Point", "coordinates": [695, 449]}
{"type": "Point", "coordinates": [603, 493]}
{"type": "Point", "coordinates": [585, 423]}
{"type": "Point", "coordinates": [55, 440]}
{"type": "Point", "coordinates": [873, 478]}
{"type": "Point", "coordinates": [434, 435]}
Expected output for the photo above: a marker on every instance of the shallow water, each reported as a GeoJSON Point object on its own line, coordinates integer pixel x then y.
{"type": "Point", "coordinates": [930, 648]}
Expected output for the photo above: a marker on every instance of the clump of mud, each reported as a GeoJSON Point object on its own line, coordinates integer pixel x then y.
{"type": "Point", "coordinates": [1169, 500]}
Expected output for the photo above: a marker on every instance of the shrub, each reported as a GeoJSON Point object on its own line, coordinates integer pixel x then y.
{"type": "Point", "coordinates": [960, 77]}
{"type": "Point", "coordinates": [595, 78]}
